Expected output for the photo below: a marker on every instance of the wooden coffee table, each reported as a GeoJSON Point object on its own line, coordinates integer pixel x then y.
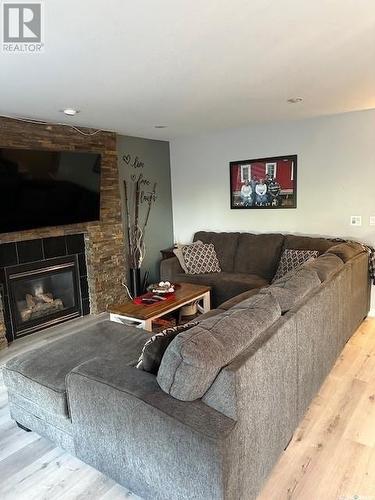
{"type": "Point", "coordinates": [142, 316]}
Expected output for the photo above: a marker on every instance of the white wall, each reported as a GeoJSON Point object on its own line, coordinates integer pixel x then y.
{"type": "Point", "coordinates": [336, 177]}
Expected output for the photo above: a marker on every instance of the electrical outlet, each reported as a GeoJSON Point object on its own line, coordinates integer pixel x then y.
{"type": "Point", "coordinates": [372, 220]}
{"type": "Point", "coordinates": [356, 220]}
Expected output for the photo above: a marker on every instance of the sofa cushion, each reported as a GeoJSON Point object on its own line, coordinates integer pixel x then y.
{"type": "Point", "coordinates": [209, 314]}
{"type": "Point", "coordinates": [292, 288]}
{"type": "Point", "coordinates": [346, 251]}
{"type": "Point", "coordinates": [195, 357]}
{"type": "Point", "coordinates": [155, 347]}
{"type": "Point", "coordinates": [258, 254]}
{"type": "Point", "coordinates": [224, 285]}
{"type": "Point", "coordinates": [293, 259]}
{"type": "Point", "coordinates": [200, 258]}
{"type": "Point", "coordinates": [326, 265]}
{"type": "Point", "coordinates": [228, 304]}
{"type": "Point", "coordinates": [307, 243]}
{"type": "Point", "coordinates": [39, 375]}
{"type": "Point", "coordinates": [225, 246]}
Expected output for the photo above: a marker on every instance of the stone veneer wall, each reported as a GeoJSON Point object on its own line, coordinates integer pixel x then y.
{"type": "Point", "coordinates": [105, 250]}
{"type": "Point", "coordinates": [3, 340]}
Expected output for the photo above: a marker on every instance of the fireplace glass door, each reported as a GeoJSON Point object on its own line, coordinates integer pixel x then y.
{"type": "Point", "coordinates": [41, 297]}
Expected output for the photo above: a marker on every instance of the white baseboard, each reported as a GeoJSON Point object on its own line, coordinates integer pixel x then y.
{"type": "Point", "coordinates": [371, 313]}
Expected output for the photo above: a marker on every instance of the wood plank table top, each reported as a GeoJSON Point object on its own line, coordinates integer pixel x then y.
{"type": "Point", "coordinates": [186, 292]}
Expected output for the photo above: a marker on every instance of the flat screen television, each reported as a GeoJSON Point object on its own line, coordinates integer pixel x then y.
{"type": "Point", "coordinates": [48, 188]}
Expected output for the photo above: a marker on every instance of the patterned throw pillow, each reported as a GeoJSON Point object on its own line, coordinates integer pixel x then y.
{"type": "Point", "coordinates": [292, 260]}
{"type": "Point", "coordinates": [178, 253]}
{"type": "Point", "coordinates": [201, 259]}
{"type": "Point", "coordinates": [154, 349]}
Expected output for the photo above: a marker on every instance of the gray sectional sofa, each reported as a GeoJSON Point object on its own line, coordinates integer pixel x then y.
{"type": "Point", "coordinates": [229, 392]}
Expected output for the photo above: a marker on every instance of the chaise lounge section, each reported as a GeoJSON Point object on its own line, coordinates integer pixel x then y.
{"type": "Point", "coordinates": [36, 381]}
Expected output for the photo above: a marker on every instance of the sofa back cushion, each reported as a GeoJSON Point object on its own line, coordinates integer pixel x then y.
{"type": "Point", "coordinates": [289, 290]}
{"type": "Point", "coordinates": [326, 265]}
{"type": "Point", "coordinates": [228, 304]}
{"type": "Point", "coordinates": [258, 254]}
{"type": "Point", "coordinates": [225, 246]}
{"type": "Point", "coordinates": [307, 243]}
{"type": "Point", "coordinates": [195, 357]}
{"type": "Point", "coordinates": [346, 251]}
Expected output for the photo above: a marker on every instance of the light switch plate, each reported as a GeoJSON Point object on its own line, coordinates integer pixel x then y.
{"type": "Point", "coordinates": [356, 220]}
{"type": "Point", "coordinates": [372, 220]}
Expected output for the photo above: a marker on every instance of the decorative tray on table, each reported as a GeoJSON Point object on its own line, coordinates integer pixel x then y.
{"type": "Point", "coordinates": [157, 292]}
{"type": "Point", "coordinates": [161, 288]}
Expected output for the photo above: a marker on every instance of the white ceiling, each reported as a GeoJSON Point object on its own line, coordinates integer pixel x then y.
{"type": "Point", "coordinates": [194, 65]}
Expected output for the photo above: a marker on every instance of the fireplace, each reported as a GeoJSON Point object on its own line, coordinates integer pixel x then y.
{"type": "Point", "coordinates": [43, 293]}
{"type": "Point", "coordinates": [42, 282]}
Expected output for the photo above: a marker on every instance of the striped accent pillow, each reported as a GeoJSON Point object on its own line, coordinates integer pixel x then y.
{"type": "Point", "coordinates": [154, 349]}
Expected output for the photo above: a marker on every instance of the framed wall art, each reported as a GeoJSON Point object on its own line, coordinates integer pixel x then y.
{"type": "Point", "coordinates": [264, 183]}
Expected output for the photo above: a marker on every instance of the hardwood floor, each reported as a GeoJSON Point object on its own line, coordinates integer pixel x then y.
{"type": "Point", "coordinates": [331, 455]}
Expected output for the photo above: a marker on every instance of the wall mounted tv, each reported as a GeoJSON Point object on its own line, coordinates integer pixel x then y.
{"type": "Point", "coordinates": [47, 188]}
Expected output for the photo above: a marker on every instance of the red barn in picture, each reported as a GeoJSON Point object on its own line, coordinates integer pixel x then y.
{"type": "Point", "coordinates": [264, 183]}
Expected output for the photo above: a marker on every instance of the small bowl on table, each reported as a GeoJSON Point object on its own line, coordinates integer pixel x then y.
{"type": "Point", "coordinates": [161, 288]}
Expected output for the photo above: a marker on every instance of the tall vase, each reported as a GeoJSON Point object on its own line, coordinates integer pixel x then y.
{"type": "Point", "coordinates": [135, 281]}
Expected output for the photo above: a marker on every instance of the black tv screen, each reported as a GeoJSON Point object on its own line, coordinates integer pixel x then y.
{"type": "Point", "coordinates": [47, 188]}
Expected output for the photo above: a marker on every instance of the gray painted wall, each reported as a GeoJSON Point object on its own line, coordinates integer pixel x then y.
{"type": "Point", "coordinates": [336, 174]}
{"type": "Point", "coordinates": [155, 157]}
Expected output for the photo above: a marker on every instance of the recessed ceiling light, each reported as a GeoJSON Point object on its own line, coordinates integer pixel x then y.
{"type": "Point", "coordinates": [160, 126]}
{"type": "Point", "coordinates": [70, 111]}
{"type": "Point", "coordinates": [295, 100]}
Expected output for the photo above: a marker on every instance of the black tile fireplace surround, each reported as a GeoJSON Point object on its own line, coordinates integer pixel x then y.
{"type": "Point", "coordinates": [43, 293]}
{"type": "Point", "coordinates": [52, 273]}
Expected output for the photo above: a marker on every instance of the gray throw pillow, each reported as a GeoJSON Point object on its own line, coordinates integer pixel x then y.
{"type": "Point", "coordinates": [154, 349]}
{"type": "Point", "coordinates": [195, 357]}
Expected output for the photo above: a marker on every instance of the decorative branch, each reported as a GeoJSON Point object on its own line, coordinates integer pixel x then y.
{"type": "Point", "coordinates": [150, 199]}
{"type": "Point", "coordinates": [135, 196]}
{"type": "Point", "coordinates": [128, 224]}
